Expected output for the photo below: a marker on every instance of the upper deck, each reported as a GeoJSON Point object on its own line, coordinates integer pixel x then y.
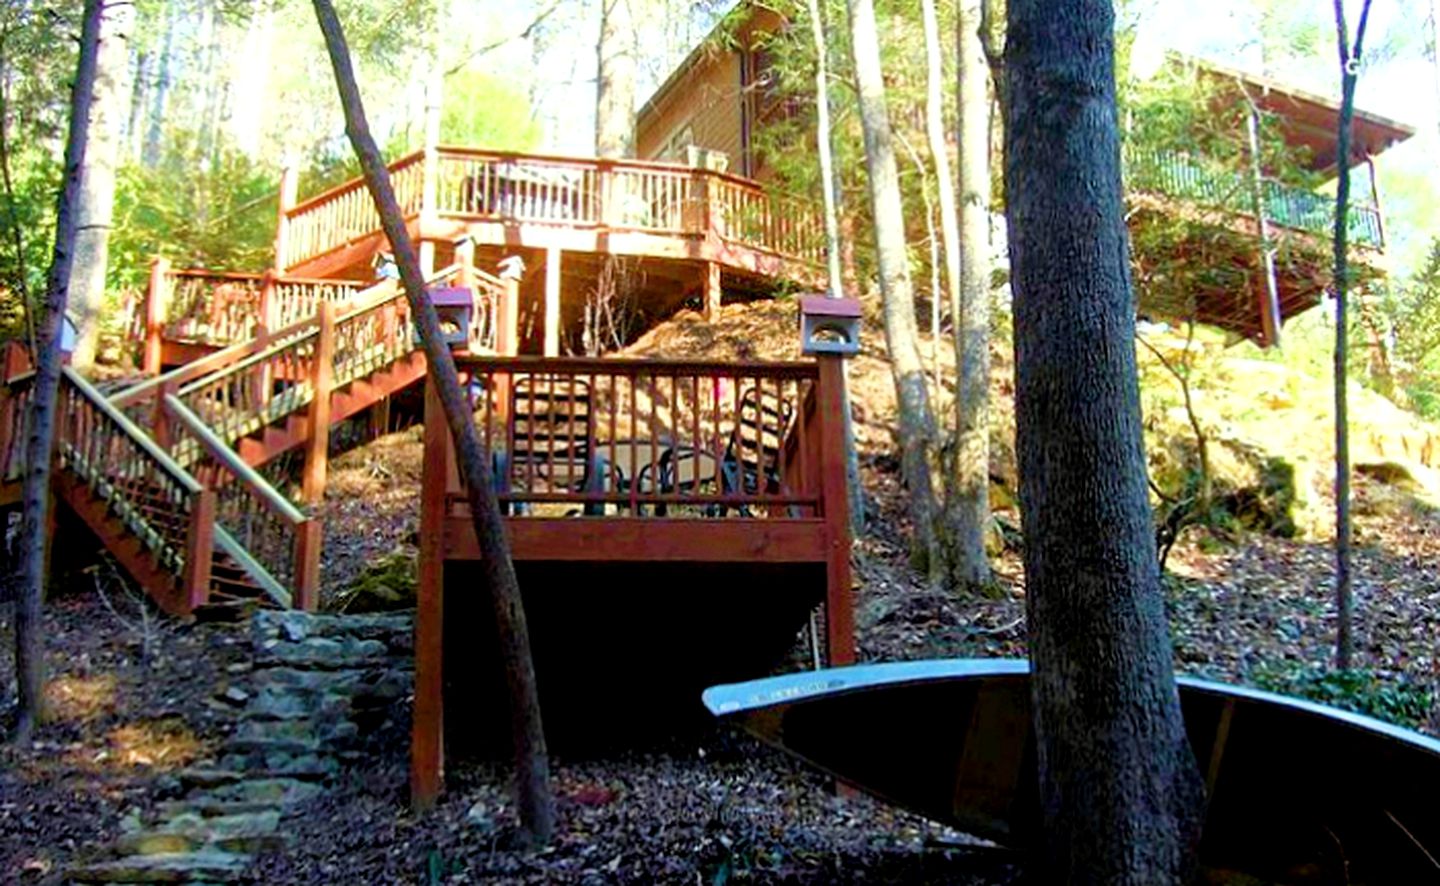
{"type": "Point", "coordinates": [505, 201]}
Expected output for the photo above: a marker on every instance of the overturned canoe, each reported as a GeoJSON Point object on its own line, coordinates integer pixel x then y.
{"type": "Point", "coordinates": [1298, 792]}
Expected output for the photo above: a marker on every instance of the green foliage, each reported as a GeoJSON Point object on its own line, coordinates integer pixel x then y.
{"type": "Point", "coordinates": [1393, 698]}
{"type": "Point", "coordinates": [218, 215]}
{"type": "Point", "coordinates": [486, 112]}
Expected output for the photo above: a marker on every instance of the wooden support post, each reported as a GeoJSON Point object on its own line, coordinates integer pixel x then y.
{"type": "Point", "coordinates": [309, 537]}
{"type": "Point", "coordinates": [160, 418]}
{"type": "Point", "coordinates": [155, 309]}
{"type": "Point", "coordinates": [839, 608]}
{"type": "Point", "coordinates": [268, 322]}
{"type": "Point", "coordinates": [380, 417]}
{"type": "Point", "coordinates": [507, 333]}
{"type": "Point", "coordinates": [289, 190]}
{"type": "Point", "coordinates": [317, 441]}
{"type": "Point", "coordinates": [1375, 199]}
{"type": "Point", "coordinates": [712, 292]}
{"type": "Point", "coordinates": [427, 737]}
{"type": "Point", "coordinates": [199, 549]}
{"type": "Point", "coordinates": [552, 302]}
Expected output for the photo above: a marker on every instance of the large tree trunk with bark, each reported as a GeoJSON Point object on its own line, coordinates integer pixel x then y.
{"type": "Point", "coordinates": [35, 494]}
{"type": "Point", "coordinates": [967, 498]}
{"type": "Point", "coordinates": [615, 81]}
{"type": "Point", "coordinates": [97, 181]}
{"type": "Point", "coordinates": [912, 395]}
{"type": "Point", "coordinates": [533, 798]}
{"type": "Point", "coordinates": [1120, 790]}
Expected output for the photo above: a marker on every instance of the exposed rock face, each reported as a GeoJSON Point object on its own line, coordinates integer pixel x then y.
{"type": "Point", "coordinates": [319, 686]}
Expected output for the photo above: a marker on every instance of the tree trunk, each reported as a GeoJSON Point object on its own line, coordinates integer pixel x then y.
{"type": "Point", "coordinates": [160, 94]}
{"type": "Point", "coordinates": [912, 396]}
{"type": "Point", "coordinates": [97, 182]}
{"type": "Point", "coordinates": [1119, 787]}
{"type": "Point", "coordinates": [1349, 77]}
{"type": "Point", "coordinates": [35, 494]}
{"type": "Point", "coordinates": [829, 185]}
{"type": "Point", "coordinates": [968, 498]}
{"type": "Point", "coordinates": [533, 798]}
{"type": "Point", "coordinates": [615, 81]}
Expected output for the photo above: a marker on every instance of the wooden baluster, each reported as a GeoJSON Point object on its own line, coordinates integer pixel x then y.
{"type": "Point", "coordinates": [289, 187]}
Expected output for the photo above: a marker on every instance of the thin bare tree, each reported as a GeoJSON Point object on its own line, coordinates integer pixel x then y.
{"type": "Point", "coordinates": [35, 493]}
{"type": "Point", "coordinates": [533, 797]}
{"type": "Point", "coordinates": [1349, 77]}
{"type": "Point", "coordinates": [967, 496]}
{"type": "Point", "coordinates": [912, 392]}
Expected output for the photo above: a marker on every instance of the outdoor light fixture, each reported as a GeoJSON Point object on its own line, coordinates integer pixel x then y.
{"type": "Point", "coordinates": [829, 325]}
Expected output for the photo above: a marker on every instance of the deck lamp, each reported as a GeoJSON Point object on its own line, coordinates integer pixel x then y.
{"type": "Point", "coordinates": [455, 306]}
{"type": "Point", "coordinates": [829, 325]}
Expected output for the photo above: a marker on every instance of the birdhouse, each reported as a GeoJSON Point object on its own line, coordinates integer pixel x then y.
{"type": "Point", "coordinates": [829, 325]}
{"type": "Point", "coordinates": [455, 306]}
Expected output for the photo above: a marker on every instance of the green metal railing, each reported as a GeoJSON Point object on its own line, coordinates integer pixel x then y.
{"type": "Point", "coordinates": [1188, 177]}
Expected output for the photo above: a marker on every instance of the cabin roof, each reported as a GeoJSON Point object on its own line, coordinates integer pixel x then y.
{"type": "Point", "coordinates": [1308, 120]}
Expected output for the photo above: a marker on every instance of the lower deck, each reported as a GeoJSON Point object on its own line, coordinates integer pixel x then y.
{"type": "Point", "coordinates": [672, 525]}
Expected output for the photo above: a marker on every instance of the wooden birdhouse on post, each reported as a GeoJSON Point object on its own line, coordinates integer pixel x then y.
{"type": "Point", "coordinates": [829, 325]}
{"type": "Point", "coordinates": [455, 306]}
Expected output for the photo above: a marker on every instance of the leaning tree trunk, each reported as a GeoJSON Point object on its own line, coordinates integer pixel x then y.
{"type": "Point", "coordinates": [912, 396]}
{"type": "Point", "coordinates": [1349, 78]}
{"type": "Point", "coordinates": [35, 494]}
{"type": "Point", "coordinates": [533, 798]}
{"type": "Point", "coordinates": [615, 81]}
{"type": "Point", "coordinates": [97, 181]}
{"type": "Point", "coordinates": [1119, 787]}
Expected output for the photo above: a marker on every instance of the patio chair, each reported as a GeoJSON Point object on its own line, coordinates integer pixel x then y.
{"type": "Point", "coordinates": [751, 464]}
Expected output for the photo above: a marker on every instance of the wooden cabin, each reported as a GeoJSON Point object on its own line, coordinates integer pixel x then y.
{"type": "Point", "coordinates": [712, 108]}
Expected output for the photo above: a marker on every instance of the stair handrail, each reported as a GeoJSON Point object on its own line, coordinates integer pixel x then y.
{"type": "Point", "coordinates": [302, 548]}
{"type": "Point", "coordinates": [93, 459]}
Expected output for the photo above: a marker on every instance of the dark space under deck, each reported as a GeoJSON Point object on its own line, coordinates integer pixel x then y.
{"type": "Point", "coordinates": [622, 650]}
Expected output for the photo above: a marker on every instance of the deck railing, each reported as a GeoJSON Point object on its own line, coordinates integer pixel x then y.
{"type": "Point", "coordinates": [649, 437]}
{"type": "Point", "coordinates": [346, 213]}
{"type": "Point", "coordinates": [1177, 174]}
{"type": "Point", "coordinates": [658, 198]}
{"type": "Point", "coordinates": [14, 425]}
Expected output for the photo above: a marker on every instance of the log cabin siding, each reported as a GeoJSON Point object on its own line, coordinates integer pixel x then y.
{"type": "Point", "coordinates": [707, 99]}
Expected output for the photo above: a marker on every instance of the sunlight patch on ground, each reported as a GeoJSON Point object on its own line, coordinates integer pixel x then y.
{"type": "Point", "coordinates": [78, 699]}
{"type": "Point", "coordinates": [166, 743]}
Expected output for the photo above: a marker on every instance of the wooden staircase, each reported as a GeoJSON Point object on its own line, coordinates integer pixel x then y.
{"type": "Point", "coordinates": [164, 471]}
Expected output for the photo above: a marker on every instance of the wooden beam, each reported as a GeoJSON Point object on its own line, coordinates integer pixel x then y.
{"type": "Point", "coordinates": [839, 608]}
{"type": "Point", "coordinates": [552, 302]}
{"type": "Point", "coordinates": [427, 735]}
{"type": "Point", "coordinates": [317, 445]}
{"type": "Point", "coordinates": [308, 541]}
{"type": "Point", "coordinates": [641, 539]}
{"type": "Point", "coordinates": [289, 190]}
{"type": "Point", "coordinates": [712, 292]}
{"type": "Point", "coordinates": [199, 551]}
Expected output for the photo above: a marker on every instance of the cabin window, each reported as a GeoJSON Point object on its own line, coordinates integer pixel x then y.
{"type": "Point", "coordinates": [675, 145]}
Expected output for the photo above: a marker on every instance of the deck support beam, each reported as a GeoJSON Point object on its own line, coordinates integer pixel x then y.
{"type": "Point", "coordinates": [552, 302]}
{"type": "Point", "coordinates": [712, 292]}
{"type": "Point", "coordinates": [317, 441]}
{"type": "Point", "coordinates": [427, 738]}
{"type": "Point", "coordinates": [155, 309]}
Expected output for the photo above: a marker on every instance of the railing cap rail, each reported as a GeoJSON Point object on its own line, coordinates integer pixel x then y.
{"type": "Point", "coordinates": [350, 185]}
{"type": "Point", "coordinates": [133, 431]}
{"type": "Point", "coordinates": [642, 366]}
{"type": "Point", "coordinates": [232, 461]}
